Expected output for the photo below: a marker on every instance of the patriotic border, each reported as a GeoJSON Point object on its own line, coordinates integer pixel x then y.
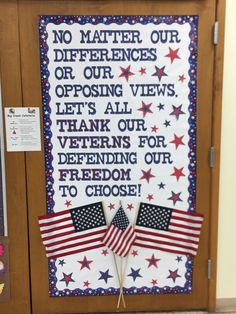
{"type": "Point", "coordinates": [48, 147]}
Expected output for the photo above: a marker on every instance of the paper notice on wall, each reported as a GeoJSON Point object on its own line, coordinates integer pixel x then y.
{"type": "Point", "coordinates": [22, 129]}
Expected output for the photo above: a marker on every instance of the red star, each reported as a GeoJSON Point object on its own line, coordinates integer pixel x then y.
{"type": "Point", "coordinates": [175, 197]}
{"type": "Point", "coordinates": [152, 261]}
{"type": "Point", "coordinates": [86, 283]}
{"type": "Point", "coordinates": [126, 73]}
{"type": "Point", "coordinates": [85, 263]}
{"type": "Point", "coordinates": [177, 141]}
{"type": "Point", "coordinates": [182, 78]}
{"type": "Point", "coordinates": [173, 275]}
{"type": "Point", "coordinates": [67, 203]}
{"type": "Point", "coordinates": [178, 173]}
{"type": "Point", "coordinates": [104, 252]}
{"type": "Point", "coordinates": [147, 175]}
{"type": "Point", "coordinates": [134, 253]}
{"type": "Point", "coordinates": [159, 72]}
{"type": "Point", "coordinates": [67, 278]}
{"type": "Point", "coordinates": [111, 206]}
{"type": "Point", "coordinates": [150, 197]}
{"type": "Point", "coordinates": [177, 111]}
{"type": "Point", "coordinates": [145, 109]}
{"type": "Point", "coordinates": [154, 282]}
{"type": "Point", "coordinates": [154, 128]}
{"type": "Point", "coordinates": [173, 54]}
{"type": "Point", "coordinates": [130, 206]}
{"type": "Point", "coordinates": [142, 71]}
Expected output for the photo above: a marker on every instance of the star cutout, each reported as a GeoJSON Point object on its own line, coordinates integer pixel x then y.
{"type": "Point", "coordinates": [182, 78]}
{"type": "Point", "coordinates": [67, 203]}
{"type": "Point", "coordinates": [161, 106]}
{"type": "Point", "coordinates": [142, 71]}
{"type": "Point", "coordinates": [173, 275]}
{"type": "Point", "coordinates": [150, 197]}
{"type": "Point", "coordinates": [85, 263]}
{"type": "Point", "coordinates": [134, 253]}
{"type": "Point", "coordinates": [130, 206]}
{"type": "Point", "coordinates": [154, 128]}
{"type": "Point", "coordinates": [134, 274]}
{"type": "Point", "coordinates": [147, 175]}
{"type": "Point", "coordinates": [111, 206]}
{"type": "Point", "coordinates": [179, 259]}
{"type": "Point", "coordinates": [177, 141]}
{"type": "Point", "coordinates": [177, 112]}
{"type": "Point", "coordinates": [152, 261]}
{"type": "Point", "coordinates": [105, 275]}
{"type": "Point", "coordinates": [161, 186]}
{"type": "Point", "coordinates": [105, 252]}
{"type": "Point", "coordinates": [145, 109]}
{"type": "Point", "coordinates": [178, 173]}
{"type": "Point", "coordinates": [175, 197]}
{"type": "Point", "coordinates": [166, 123]}
{"type": "Point", "coordinates": [67, 278]}
{"type": "Point", "coordinates": [126, 73]}
{"type": "Point", "coordinates": [86, 283]}
{"type": "Point", "coordinates": [173, 54]}
{"type": "Point", "coordinates": [154, 282]}
{"type": "Point", "coordinates": [61, 262]}
{"type": "Point", "coordinates": [159, 72]}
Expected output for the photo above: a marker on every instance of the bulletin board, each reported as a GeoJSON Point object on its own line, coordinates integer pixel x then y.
{"type": "Point", "coordinates": [119, 113]}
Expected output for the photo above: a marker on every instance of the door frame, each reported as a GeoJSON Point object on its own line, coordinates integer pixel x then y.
{"type": "Point", "coordinates": [216, 143]}
{"type": "Point", "coordinates": [16, 174]}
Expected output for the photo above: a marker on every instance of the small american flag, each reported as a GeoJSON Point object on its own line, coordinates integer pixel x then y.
{"type": "Point", "coordinates": [167, 229]}
{"type": "Point", "coordinates": [120, 235]}
{"type": "Point", "coordinates": [73, 231]}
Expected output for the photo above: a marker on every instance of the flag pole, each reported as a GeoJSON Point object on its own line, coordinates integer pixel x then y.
{"type": "Point", "coordinates": [116, 266]}
{"type": "Point", "coordinates": [122, 279]}
{"type": "Point", "coordinates": [119, 279]}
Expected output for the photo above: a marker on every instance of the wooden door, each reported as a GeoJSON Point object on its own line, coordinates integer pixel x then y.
{"type": "Point", "coordinates": [30, 66]}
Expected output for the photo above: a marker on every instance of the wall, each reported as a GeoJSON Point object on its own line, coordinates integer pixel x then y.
{"type": "Point", "coordinates": [226, 285]}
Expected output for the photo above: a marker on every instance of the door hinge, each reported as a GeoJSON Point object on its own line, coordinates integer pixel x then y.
{"type": "Point", "coordinates": [212, 156]}
{"type": "Point", "coordinates": [216, 33]}
{"type": "Point", "coordinates": [209, 269]}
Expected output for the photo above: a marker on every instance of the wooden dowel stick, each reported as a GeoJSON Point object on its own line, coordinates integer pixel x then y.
{"type": "Point", "coordinates": [119, 279]}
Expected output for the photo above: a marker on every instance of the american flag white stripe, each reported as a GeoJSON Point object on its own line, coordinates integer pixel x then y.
{"type": "Point", "coordinates": [181, 237]}
{"type": "Point", "coordinates": [61, 238]}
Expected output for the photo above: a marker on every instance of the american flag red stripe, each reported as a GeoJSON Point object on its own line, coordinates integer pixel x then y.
{"type": "Point", "coordinates": [61, 238]}
{"type": "Point", "coordinates": [181, 237]}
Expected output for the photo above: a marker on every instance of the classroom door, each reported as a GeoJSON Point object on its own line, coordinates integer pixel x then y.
{"type": "Point", "coordinates": [35, 165]}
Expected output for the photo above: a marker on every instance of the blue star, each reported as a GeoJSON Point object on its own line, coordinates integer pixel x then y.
{"type": "Point", "coordinates": [160, 107]}
{"type": "Point", "coordinates": [135, 273]}
{"type": "Point", "coordinates": [179, 259]}
{"type": "Point", "coordinates": [161, 185]}
{"type": "Point", "coordinates": [105, 275]}
{"type": "Point", "coordinates": [61, 262]}
{"type": "Point", "coordinates": [166, 123]}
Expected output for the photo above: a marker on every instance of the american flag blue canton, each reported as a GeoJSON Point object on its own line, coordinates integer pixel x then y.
{"type": "Point", "coordinates": [88, 217]}
{"type": "Point", "coordinates": [167, 229]}
{"type": "Point", "coordinates": [120, 235]}
{"type": "Point", "coordinates": [73, 231]}
{"type": "Point", "coordinates": [156, 217]}
{"type": "Point", "coordinates": [120, 220]}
